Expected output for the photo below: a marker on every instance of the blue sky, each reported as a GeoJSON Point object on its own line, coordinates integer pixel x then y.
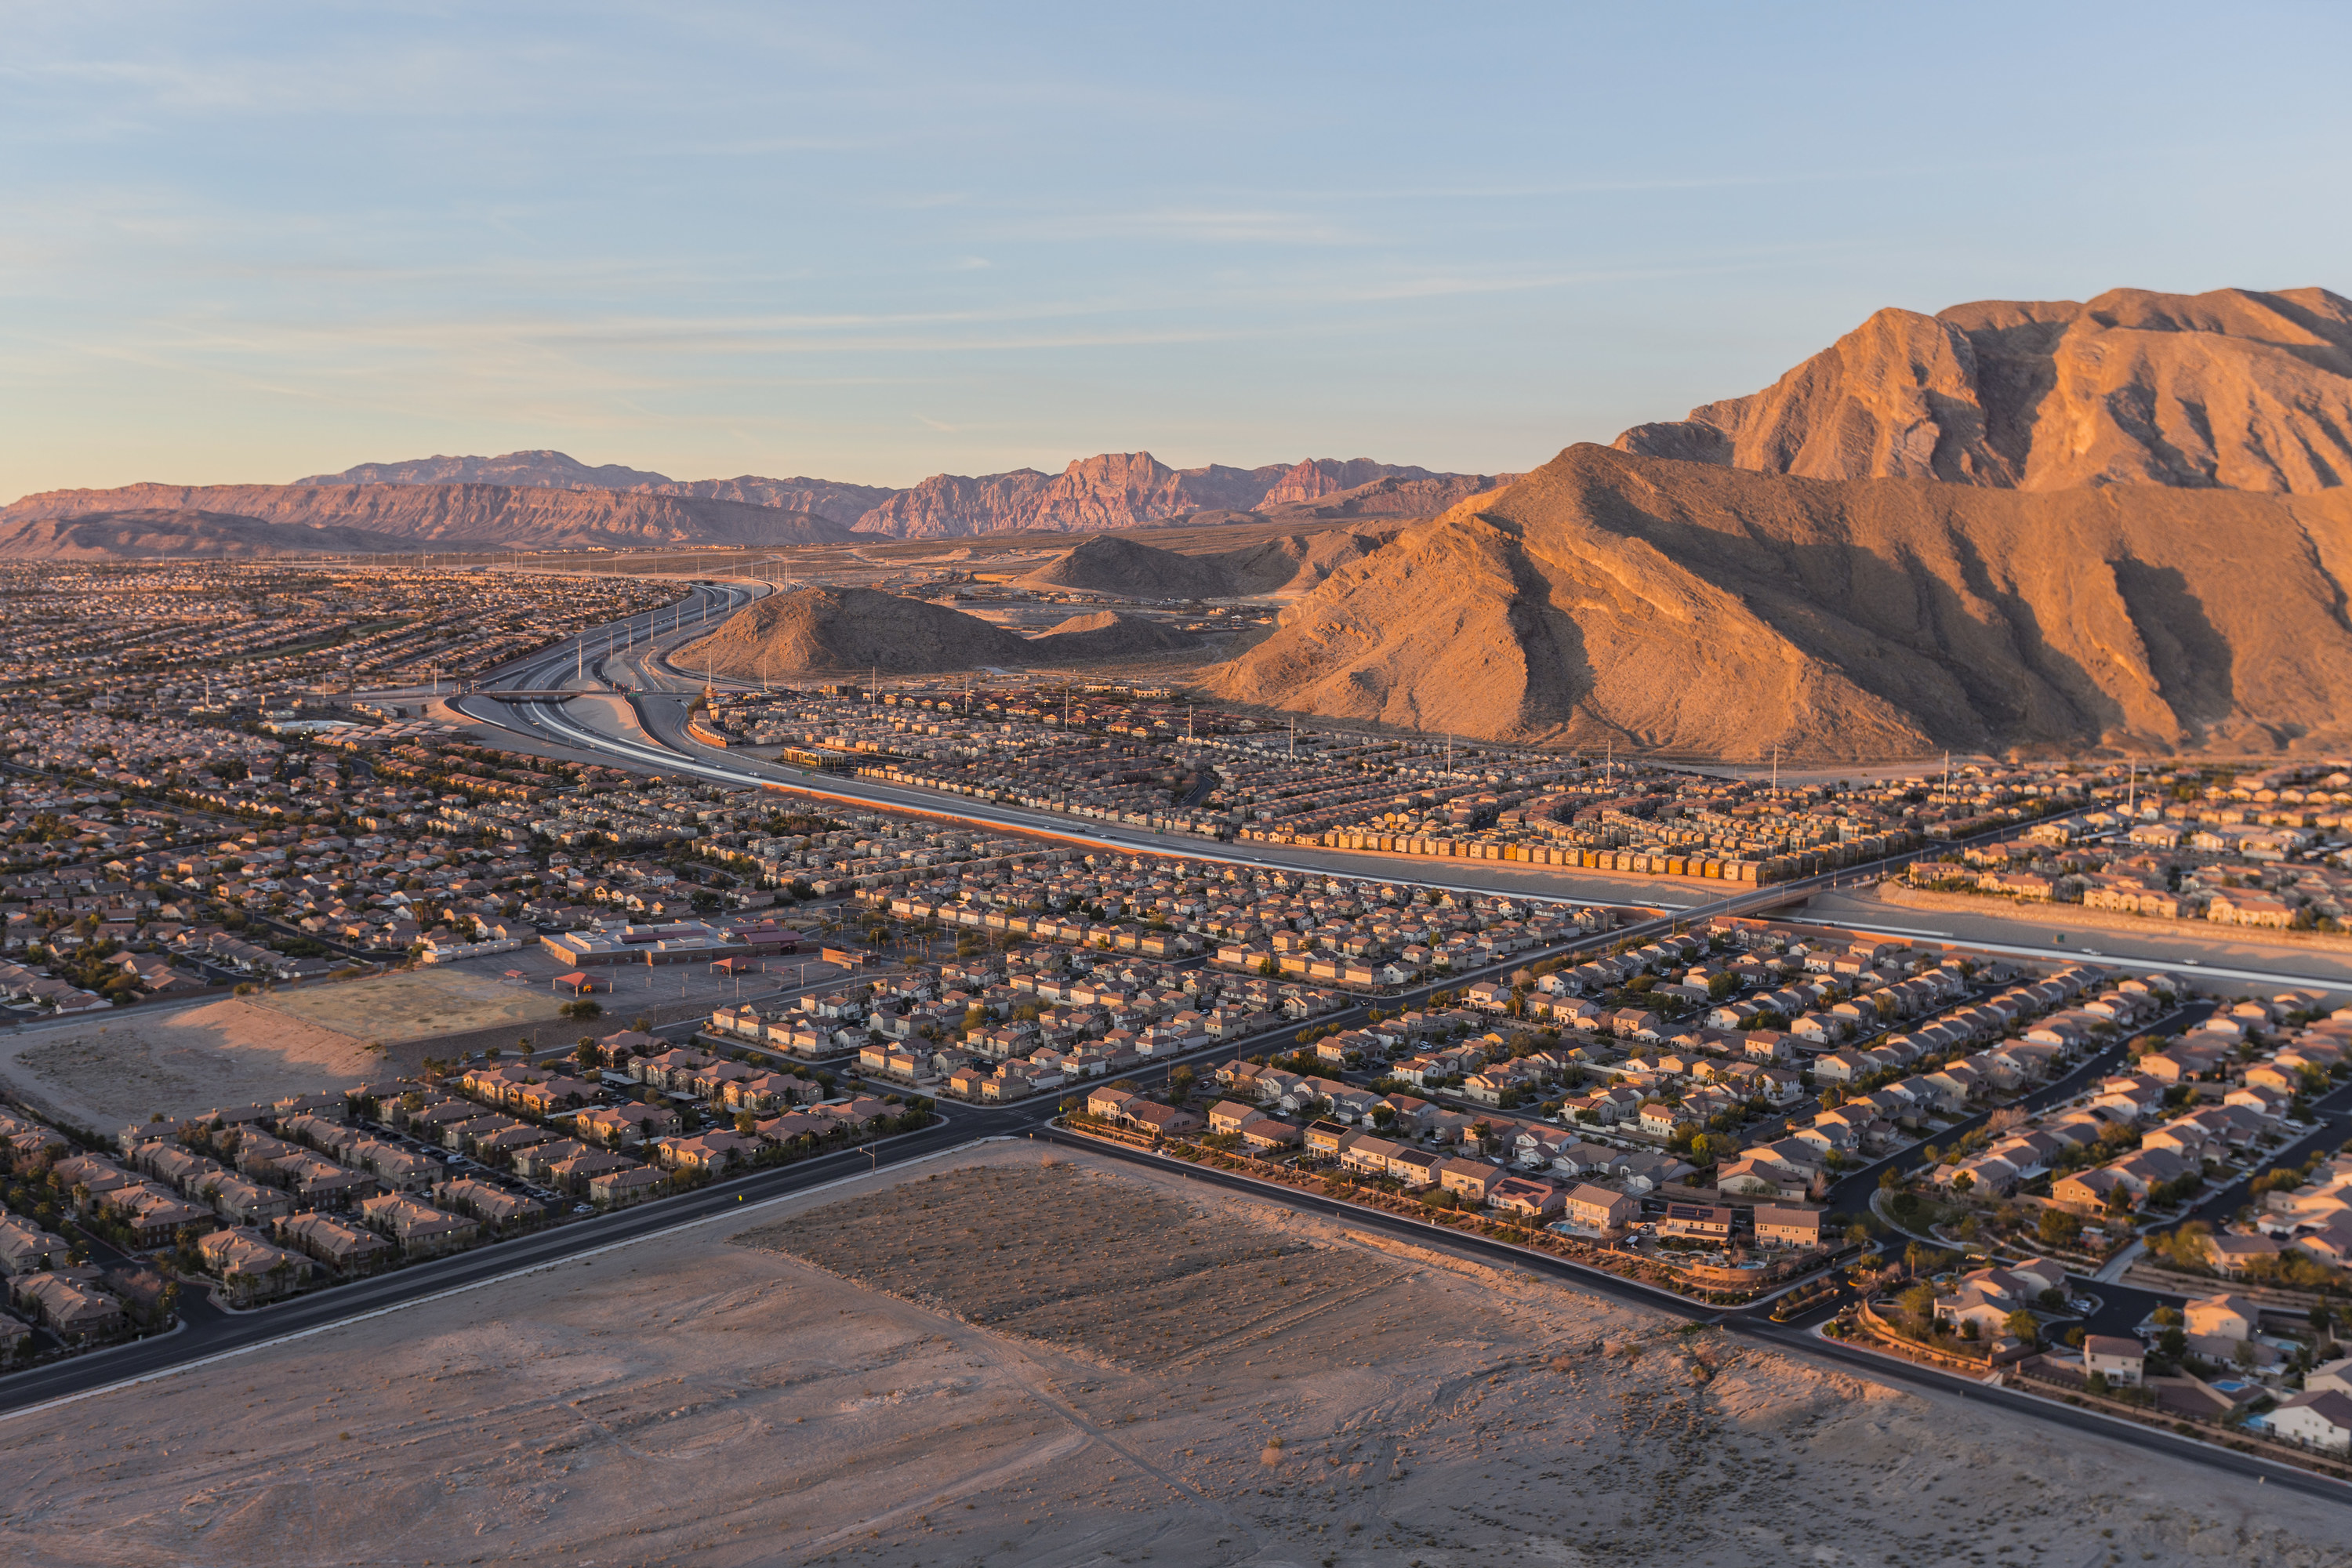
{"type": "Point", "coordinates": [876, 242]}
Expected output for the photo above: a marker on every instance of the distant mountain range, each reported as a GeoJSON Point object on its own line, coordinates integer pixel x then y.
{"type": "Point", "coordinates": [1109, 490]}
{"type": "Point", "coordinates": [550, 500]}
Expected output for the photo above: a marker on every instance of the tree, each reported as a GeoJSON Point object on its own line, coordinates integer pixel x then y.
{"type": "Point", "coordinates": [2059, 1228]}
{"type": "Point", "coordinates": [2025, 1325]}
{"type": "Point", "coordinates": [585, 1009]}
{"type": "Point", "coordinates": [1918, 1305]}
{"type": "Point", "coordinates": [746, 1124]}
{"type": "Point", "coordinates": [587, 1054]}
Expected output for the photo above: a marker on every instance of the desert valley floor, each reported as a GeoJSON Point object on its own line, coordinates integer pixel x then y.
{"type": "Point", "coordinates": [1003, 1356]}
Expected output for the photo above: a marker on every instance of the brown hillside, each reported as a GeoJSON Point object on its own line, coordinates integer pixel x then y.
{"type": "Point", "coordinates": [1394, 496]}
{"type": "Point", "coordinates": [2233, 390]}
{"type": "Point", "coordinates": [1106, 634]}
{"type": "Point", "coordinates": [809, 630]}
{"type": "Point", "coordinates": [1297, 562]}
{"type": "Point", "coordinates": [1698, 608]}
{"type": "Point", "coordinates": [1112, 564]}
{"type": "Point", "coordinates": [440, 514]}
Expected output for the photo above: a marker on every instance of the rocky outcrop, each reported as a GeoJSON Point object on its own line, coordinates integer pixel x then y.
{"type": "Point", "coordinates": [1394, 496]}
{"type": "Point", "coordinates": [1318, 478]}
{"type": "Point", "coordinates": [1697, 608]}
{"type": "Point", "coordinates": [2232, 390]}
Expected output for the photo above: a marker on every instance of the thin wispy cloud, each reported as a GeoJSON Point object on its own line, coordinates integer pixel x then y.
{"type": "Point", "coordinates": [237, 240]}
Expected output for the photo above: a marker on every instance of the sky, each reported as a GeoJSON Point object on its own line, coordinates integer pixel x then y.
{"type": "Point", "coordinates": [246, 243]}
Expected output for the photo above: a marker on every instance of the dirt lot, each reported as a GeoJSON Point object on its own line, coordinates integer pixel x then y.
{"type": "Point", "coordinates": [1157, 1282]}
{"type": "Point", "coordinates": [113, 1068]}
{"type": "Point", "coordinates": [1101, 1390]}
{"type": "Point", "coordinates": [416, 1005]}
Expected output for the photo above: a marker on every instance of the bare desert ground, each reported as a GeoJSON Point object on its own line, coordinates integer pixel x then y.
{"type": "Point", "coordinates": [994, 1358]}
{"type": "Point", "coordinates": [114, 1067]}
{"type": "Point", "coordinates": [419, 1003]}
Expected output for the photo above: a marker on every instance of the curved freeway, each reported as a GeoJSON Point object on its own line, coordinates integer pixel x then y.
{"type": "Point", "coordinates": [662, 711]}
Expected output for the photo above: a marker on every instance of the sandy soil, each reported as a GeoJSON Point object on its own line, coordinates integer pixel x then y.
{"type": "Point", "coordinates": [416, 1005]}
{"type": "Point", "coordinates": [115, 1068]}
{"type": "Point", "coordinates": [1111, 1393]}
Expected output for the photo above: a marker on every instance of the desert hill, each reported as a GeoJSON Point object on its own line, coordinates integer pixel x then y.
{"type": "Point", "coordinates": [1107, 634]}
{"type": "Point", "coordinates": [807, 631]}
{"type": "Point", "coordinates": [1700, 608]}
{"type": "Point", "coordinates": [2234, 390]}
{"type": "Point", "coordinates": [1297, 562]}
{"type": "Point", "coordinates": [841, 629]}
{"type": "Point", "coordinates": [1392, 496]}
{"type": "Point", "coordinates": [1113, 563]}
{"type": "Point", "coordinates": [406, 516]}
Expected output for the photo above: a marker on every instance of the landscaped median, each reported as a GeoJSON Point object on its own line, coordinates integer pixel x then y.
{"type": "Point", "coordinates": [1698, 1283]}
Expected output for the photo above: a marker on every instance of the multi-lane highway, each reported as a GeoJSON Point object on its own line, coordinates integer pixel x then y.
{"type": "Point", "coordinates": [660, 696]}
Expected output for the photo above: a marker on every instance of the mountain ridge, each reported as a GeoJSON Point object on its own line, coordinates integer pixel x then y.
{"type": "Point", "coordinates": [1662, 604]}
{"type": "Point", "coordinates": [2234, 389]}
{"type": "Point", "coordinates": [1108, 491]}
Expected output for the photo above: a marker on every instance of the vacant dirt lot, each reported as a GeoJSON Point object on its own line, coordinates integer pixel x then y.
{"type": "Point", "coordinates": [416, 1005]}
{"type": "Point", "coordinates": [1103, 1268]}
{"type": "Point", "coordinates": [114, 1067]}
{"type": "Point", "coordinates": [690, 1402]}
